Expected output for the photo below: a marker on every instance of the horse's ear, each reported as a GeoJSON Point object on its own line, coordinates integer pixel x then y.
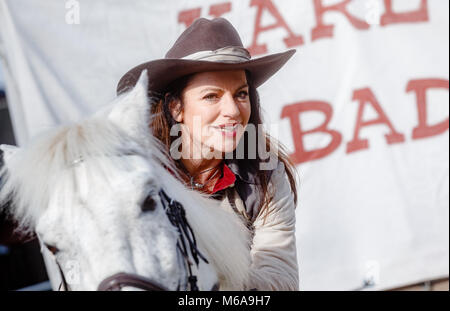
{"type": "Point", "coordinates": [131, 111]}
{"type": "Point", "coordinates": [6, 153]}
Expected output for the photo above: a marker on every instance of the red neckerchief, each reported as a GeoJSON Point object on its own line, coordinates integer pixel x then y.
{"type": "Point", "coordinates": [226, 180]}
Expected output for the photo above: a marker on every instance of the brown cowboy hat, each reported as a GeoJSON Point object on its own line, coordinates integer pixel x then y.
{"type": "Point", "coordinates": [206, 45]}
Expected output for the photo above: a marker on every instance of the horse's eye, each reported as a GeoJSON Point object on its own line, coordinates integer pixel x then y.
{"type": "Point", "coordinates": [149, 204]}
{"type": "Point", "coordinates": [53, 249]}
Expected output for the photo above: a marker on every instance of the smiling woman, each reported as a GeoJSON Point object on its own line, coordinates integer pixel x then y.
{"type": "Point", "coordinates": [205, 105]}
{"type": "Point", "coordinates": [214, 108]}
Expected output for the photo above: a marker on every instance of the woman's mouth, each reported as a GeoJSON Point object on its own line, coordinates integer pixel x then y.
{"type": "Point", "coordinates": [228, 130]}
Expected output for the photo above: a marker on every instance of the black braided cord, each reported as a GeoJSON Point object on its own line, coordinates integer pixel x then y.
{"type": "Point", "coordinates": [177, 216]}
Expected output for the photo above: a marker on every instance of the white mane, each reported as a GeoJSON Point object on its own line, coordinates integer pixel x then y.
{"type": "Point", "coordinates": [222, 234]}
{"type": "Point", "coordinates": [29, 177]}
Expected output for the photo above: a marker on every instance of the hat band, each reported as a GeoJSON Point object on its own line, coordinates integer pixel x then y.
{"type": "Point", "coordinates": [228, 54]}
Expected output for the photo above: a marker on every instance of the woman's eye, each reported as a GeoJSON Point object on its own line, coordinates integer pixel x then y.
{"type": "Point", "coordinates": [242, 95]}
{"type": "Point", "coordinates": [210, 97]}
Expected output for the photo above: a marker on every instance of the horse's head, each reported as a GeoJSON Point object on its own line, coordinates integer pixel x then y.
{"type": "Point", "coordinates": [91, 192]}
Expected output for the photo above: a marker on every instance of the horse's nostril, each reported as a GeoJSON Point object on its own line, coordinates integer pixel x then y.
{"type": "Point", "coordinates": [149, 204]}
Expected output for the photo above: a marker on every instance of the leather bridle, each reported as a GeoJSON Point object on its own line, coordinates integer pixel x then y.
{"type": "Point", "coordinates": [117, 281]}
{"type": "Point", "coordinates": [186, 245]}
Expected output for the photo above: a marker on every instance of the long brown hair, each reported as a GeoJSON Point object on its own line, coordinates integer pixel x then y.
{"type": "Point", "coordinates": [162, 121]}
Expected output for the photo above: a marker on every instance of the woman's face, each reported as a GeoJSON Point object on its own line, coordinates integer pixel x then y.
{"type": "Point", "coordinates": [215, 111]}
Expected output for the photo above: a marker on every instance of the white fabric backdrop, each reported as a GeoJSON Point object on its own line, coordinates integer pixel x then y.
{"type": "Point", "coordinates": [379, 212]}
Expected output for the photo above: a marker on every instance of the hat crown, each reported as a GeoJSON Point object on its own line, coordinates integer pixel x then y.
{"type": "Point", "coordinates": [205, 35]}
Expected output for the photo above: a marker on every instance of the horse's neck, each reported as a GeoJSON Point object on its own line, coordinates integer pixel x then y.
{"type": "Point", "coordinates": [226, 238]}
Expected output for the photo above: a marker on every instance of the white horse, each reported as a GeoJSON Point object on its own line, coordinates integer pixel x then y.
{"type": "Point", "coordinates": [94, 194]}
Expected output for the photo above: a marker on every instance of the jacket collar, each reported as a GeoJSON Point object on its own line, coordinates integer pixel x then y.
{"type": "Point", "coordinates": [243, 172]}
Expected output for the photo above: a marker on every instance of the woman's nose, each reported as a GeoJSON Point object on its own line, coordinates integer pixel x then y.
{"type": "Point", "coordinates": [230, 107]}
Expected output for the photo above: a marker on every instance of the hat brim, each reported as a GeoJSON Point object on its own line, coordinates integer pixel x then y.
{"type": "Point", "coordinates": [162, 72]}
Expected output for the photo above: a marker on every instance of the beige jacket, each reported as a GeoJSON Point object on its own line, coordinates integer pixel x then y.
{"type": "Point", "coordinates": [273, 252]}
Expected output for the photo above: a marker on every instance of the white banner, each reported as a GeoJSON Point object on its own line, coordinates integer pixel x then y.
{"type": "Point", "coordinates": [363, 107]}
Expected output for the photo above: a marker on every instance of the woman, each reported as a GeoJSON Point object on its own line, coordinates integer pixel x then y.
{"type": "Point", "coordinates": [204, 103]}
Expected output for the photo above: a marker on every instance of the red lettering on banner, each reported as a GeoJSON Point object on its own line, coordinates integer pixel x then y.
{"type": "Point", "coordinates": [321, 30]}
{"type": "Point", "coordinates": [390, 17]}
{"type": "Point", "coordinates": [217, 10]}
{"type": "Point", "coordinates": [366, 96]}
{"type": "Point", "coordinates": [293, 113]}
{"type": "Point", "coordinates": [290, 41]}
{"type": "Point", "coordinates": [187, 17]}
{"type": "Point", "coordinates": [420, 87]}
{"type": "Point", "coordinates": [326, 31]}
